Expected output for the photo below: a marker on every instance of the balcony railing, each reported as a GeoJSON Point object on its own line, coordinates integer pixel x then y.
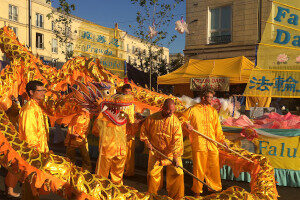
{"type": "Point", "coordinates": [223, 39]}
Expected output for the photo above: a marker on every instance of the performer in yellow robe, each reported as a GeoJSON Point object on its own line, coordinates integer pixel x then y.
{"type": "Point", "coordinates": [34, 127]}
{"type": "Point", "coordinates": [129, 163]}
{"type": "Point", "coordinates": [204, 118]}
{"type": "Point", "coordinates": [112, 148]}
{"type": "Point", "coordinates": [163, 131]}
{"type": "Point", "coordinates": [33, 122]}
{"type": "Point", "coordinates": [77, 138]}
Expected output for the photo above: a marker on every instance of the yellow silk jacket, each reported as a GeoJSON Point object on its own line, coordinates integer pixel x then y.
{"type": "Point", "coordinates": [33, 126]}
{"type": "Point", "coordinates": [114, 141]}
{"type": "Point", "coordinates": [130, 129]}
{"type": "Point", "coordinates": [130, 112]}
{"type": "Point", "coordinates": [204, 119]}
{"type": "Point", "coordinates": [165, 134]}
{"type": "Point", "coordinates": [78, 125]}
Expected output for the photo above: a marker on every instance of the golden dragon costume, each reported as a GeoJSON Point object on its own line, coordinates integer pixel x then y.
{"type": "Point", "coordinates": [52, 173]}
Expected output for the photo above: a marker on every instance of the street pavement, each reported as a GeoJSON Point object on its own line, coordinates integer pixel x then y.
{"type": "Point", "coordinates": [139, 181]}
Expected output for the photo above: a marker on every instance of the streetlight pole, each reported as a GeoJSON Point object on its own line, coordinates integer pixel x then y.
{"type": "Point", "coordinates": [150, 72]}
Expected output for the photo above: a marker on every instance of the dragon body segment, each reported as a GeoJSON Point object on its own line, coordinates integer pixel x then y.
{"type": "Point", "coordinates": [90, 84]}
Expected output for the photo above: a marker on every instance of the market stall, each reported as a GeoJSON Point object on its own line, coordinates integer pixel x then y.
{"type": "Point", "coordinates": [237, 70]}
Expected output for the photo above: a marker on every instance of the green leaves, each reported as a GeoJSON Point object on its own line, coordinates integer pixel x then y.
{"type": "Point", "coordinates": [158, 14]}
{"type": "Point", "coordinates": [154, 13]}
{"type": "Point", "coordinates": [62, 25]}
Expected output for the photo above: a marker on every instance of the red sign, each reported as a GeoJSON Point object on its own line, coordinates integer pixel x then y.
{"type": "Point", "coordinates": [215, 83]}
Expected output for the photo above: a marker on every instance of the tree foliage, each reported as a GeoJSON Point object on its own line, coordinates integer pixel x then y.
{"type": "Point", "coordinates": [176, 62]}
{"type": "Point", "coordinates": [158, 14]}
{"type": "Point", "coordinates": [62, 25]}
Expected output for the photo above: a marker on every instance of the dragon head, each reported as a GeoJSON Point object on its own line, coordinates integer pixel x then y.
{"type": "Point", "coordinates": [99, 97]}
{"type": "Point", "coordinates": [115, 106]}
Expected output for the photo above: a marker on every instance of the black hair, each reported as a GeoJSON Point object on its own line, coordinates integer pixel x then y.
{"type": "Point", "coordinates": [31, 85]}
{"type": "Point", "coordinates": [126, 86]}
{"type": "Point", "coordinates": [206, 91]}
{"type": "Point", "coordinates": [168, 101]}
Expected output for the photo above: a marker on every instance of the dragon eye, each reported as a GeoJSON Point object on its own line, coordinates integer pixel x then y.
{"type": "Point", "coordinates": [107, 91]}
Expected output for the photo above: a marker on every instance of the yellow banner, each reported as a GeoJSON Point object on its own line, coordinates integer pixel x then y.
{"type": "Point", "coordinates": [278, 56]}
{"type": "Point", "coordinates": [103, 43]}
{"type": "Point", "coordinates": [283, 153]}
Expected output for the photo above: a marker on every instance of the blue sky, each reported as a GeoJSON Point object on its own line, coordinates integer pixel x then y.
{"type": "Point", "coordinates": [108, 12]}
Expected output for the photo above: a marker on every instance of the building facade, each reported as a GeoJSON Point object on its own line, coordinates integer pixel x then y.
{"type": "Point", "coordinates": [175, 56]}
{"type": "Point", "coordinates": [37, 33]}
{"type": "Point", "coordinates": [224, 28]}
{"type": "Point", "coordinates": [112, 46]}
{"type": "Point", "coordinates": [135, 47]}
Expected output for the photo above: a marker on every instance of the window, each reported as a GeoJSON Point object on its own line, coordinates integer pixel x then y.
{"type": "Point", "coordinates": [13, 12]}
{"type": "Point", "coordinates": [39, 20]}
{"type": "Point", "coordinates": [220, 25]}
{"type": "Point", "coordinates": [69, 50]}
{"type": "Point", "coordinates": [39, 41]}
{"type": "Point", "coordinates": [52, 26]}
{"type": "Point", "coordinates": [54, 62]}
{"type": "Point", "coordinates": [67, 31]}
{"type": "Point", "coordinates": [54, 46]}
{"type": "Point", "coordinates": [128, 49]}
{"type": "Point", "coordinates": [5, 58]}
{"type": "Point", "coordinates": [15, 29]}
{"type": "Point", "coordinates": [133, 49]}
{"type": "Point", "coordinates": [69, 47]}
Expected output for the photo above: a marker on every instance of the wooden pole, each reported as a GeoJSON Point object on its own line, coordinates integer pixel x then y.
{"type": "Point", "coordinates": [208, 138]}
{"type": "Point", "coordinates": [185, 170]}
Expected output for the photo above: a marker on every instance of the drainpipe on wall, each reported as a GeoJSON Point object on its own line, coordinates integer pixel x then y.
{"type": "Point", "coordinates": [29, 25]}
{"type": "Point", "coordinates": [259, 20]}
{"type": "Point", "coordinates": [259, 13]}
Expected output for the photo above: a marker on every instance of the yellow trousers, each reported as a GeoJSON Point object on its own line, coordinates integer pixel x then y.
{"type": "Point", "coordinates": [86, 161]}
{"type": "Point", "coordinates": [129, 164]}
{"type": "Point", "coordinates": [175, 182]}
{"type": "Point", "coordinates": [206, 165]}
{"type": "Point", "coordinates": [114, 166]}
